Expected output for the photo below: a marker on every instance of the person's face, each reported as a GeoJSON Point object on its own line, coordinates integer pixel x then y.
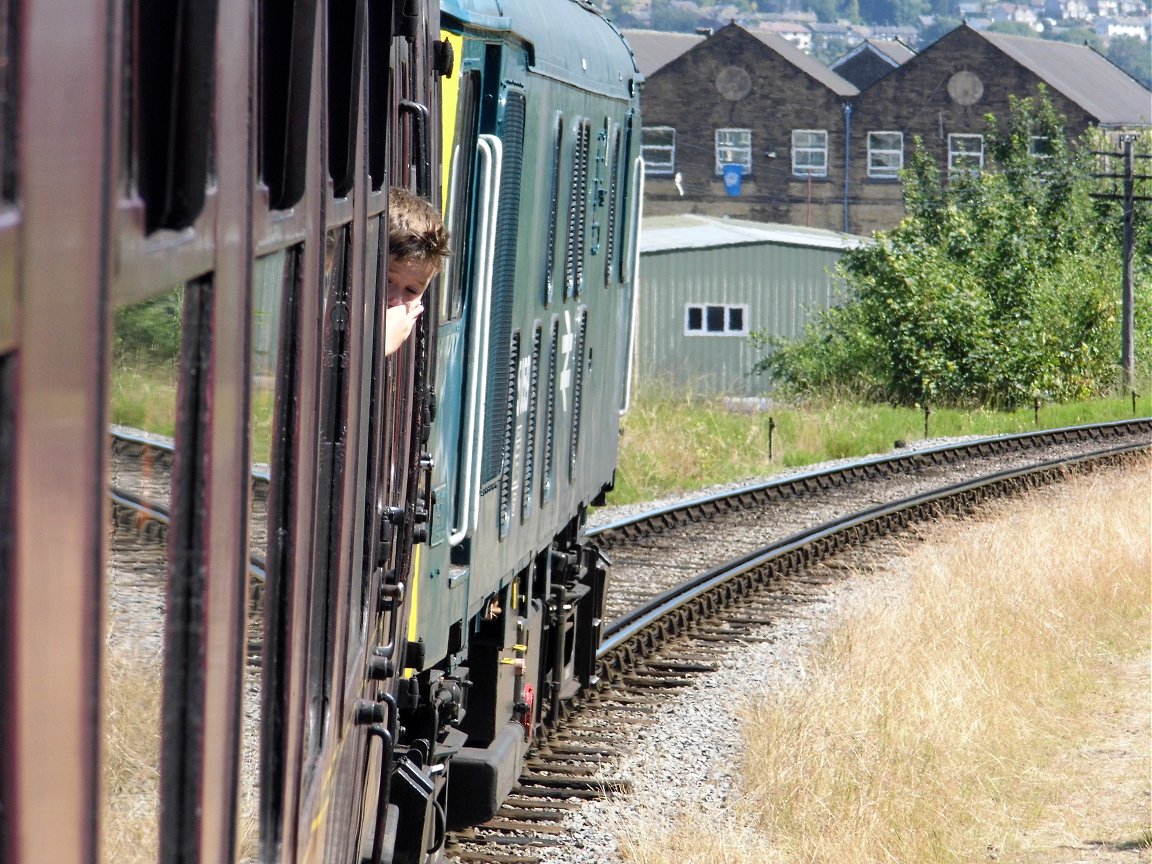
{"type": "Point", "coordinates": [408, 280]}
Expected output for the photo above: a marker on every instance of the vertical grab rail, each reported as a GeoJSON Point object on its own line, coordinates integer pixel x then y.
{"type": "Point", "coordinates": [490, 150]}
{"type": "Point", "coordinates": [419, 114]}
{"type": "Point", "coordinates": [634, 275]}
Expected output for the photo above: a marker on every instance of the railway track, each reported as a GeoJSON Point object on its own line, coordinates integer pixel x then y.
{"type": "Point", "coordinates": [691, 579]}
{"type": "Point", "coordinates": [678, 634]}
{"type": "Point", "coordinates": [140, 480]}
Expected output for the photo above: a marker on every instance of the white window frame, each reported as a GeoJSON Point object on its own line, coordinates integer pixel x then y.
{"type": "Point", "coordinates": [885, 162]}
{"type": "Point", "coordinates": [957, 154]}
{"type": "Point", "coordinates": [733, 147]}
{"type": "Point", "coordinates": [804, 148]}
{"type": "Point", "coordinates": [728, 330]}
{"type": "Point", "coordinates": [1040, 146]}
{"type": "Point", "coordinates": [654, 166]}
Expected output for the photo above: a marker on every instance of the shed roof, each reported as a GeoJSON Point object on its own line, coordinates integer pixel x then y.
{"type": "Point", "coordinates": [656, 48]}
{"type": "Point", "coordinates": [693, 231]}
{"type": "Point", "coordinates": [1102, 89]}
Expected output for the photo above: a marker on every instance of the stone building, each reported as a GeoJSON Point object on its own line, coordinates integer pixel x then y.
{"type": "Point", "coordinates": [944, 93]}
{"type": "Point", "coordinates": [744, 125]}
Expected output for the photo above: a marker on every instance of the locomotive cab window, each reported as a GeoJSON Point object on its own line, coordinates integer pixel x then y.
{"type": "Point", "coordinates": [461, 197]}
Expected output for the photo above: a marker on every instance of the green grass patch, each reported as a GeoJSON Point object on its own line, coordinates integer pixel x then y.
{"type": "Point", "coordinates": [143, 396]}
{"type": "Point", "coordinates": [674, 445]}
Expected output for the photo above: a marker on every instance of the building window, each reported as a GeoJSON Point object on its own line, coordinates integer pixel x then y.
{"type": "Point", "coordinates": [734, 147]}
{"type": "Point", "coordinates": [658, 147]}
{"type": "Point", "coordinates": [885, 154]}
{"type": "Point", "coordinates": [716, 319]}
{"type": "Point", "coordinates": [810, 152]}
{"type": "Point", "coordinates": [1040, 147]}
{"type": "Point", "coordinates": [965, 152]}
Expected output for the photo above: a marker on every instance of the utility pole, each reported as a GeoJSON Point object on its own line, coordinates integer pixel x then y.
{"type": "Point", "coordinates": [1127, 292]}
{"type": "Point", "coordinates": [1127, 289]}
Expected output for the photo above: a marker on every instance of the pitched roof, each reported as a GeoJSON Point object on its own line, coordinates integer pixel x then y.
{"type": "Point", "coordinates": [806, 63]}
{"type": "Point", "coordinates": [656, 48]}
{"type": "Point", "coordinates": [1105, 91]}
{"type": "Point", "coordinates": [891, 51]}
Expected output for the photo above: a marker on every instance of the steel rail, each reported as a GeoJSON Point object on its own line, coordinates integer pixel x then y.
{"type": "Point", "coordinates": [672, 611]}
{"type": "Point", "coordinates": [878, 466]}
{"type": "Point", "coordinates": [152, 520]}
{"type": "Point", "coordinates": [166, 453]}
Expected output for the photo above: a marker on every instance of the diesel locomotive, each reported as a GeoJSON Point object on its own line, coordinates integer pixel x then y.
{"type": "Point", "coordinates": [268, 594]}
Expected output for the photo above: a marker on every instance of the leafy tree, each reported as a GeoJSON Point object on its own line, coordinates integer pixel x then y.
{"type": "Point", "coordinates": [940, 27]}
{"type": "Point", "coordinates": [1077, 36]}
{"type": "Point", "coordinates": [825, 10]}
{"type": "Point", "coordinates": [902, 12]}
{"type": "Point", "coordinates": [667, 16]}
{"type": "Point", "coordinates": [149, 331]}
{"type": "Point", "coordinates": [1131, 54]}
{"type": "Point", "coordinates": [998, 287]}
{"type": "Point", "coordinates": [850, 10]}
{"type": "Point", "coordinates": [1012, 28]}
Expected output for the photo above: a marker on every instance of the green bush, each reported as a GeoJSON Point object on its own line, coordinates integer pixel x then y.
{"type": "Point", "coordinates": [149, 331]}
{"type": "Point", "coordinates": [999, 288]}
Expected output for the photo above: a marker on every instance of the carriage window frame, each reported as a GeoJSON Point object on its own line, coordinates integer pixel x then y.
{"type": "Point", "coordinates": [334, 393]}
{"type": "Point", "coordinates": [9, 103]}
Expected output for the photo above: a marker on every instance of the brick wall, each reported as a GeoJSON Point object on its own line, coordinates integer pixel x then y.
{"type": "Point", "coordinates": [947, 89]}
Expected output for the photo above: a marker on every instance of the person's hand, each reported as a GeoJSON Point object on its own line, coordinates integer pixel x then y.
{"type": "Point", "coordinates": [399, 322]}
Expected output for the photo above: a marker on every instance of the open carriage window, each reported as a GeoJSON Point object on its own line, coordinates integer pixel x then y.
{"type": "Point", "coordinates": [143, 409]}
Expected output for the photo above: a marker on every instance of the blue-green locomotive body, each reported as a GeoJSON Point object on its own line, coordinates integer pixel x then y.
{"type": "Point", "coordinates": [541, 142]}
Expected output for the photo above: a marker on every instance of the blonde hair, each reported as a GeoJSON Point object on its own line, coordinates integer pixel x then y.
{"type": "Point", "coordinates": [415, 230]}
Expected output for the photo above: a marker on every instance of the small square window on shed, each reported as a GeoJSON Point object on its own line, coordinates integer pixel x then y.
{"type": "Point", "coordinates": [716, 319]}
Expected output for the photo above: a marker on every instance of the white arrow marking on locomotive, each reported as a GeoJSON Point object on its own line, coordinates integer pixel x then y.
{"type": "Point", "coordinates": [566, 350]}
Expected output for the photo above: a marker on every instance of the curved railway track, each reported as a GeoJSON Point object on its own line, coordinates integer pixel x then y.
{"type": "Point", "coordinates": [690, 579]}
{"type": "Point", "coordinates": [677, 633]}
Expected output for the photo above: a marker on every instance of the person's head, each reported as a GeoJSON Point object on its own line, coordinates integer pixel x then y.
{"type": "Point", "coordinates": [417, 246]}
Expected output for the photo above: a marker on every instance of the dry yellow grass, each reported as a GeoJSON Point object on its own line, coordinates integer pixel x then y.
{"type": "Point", "coordinates": [132, 699]}
{"type": "Point", "coordinates": [996, 709]}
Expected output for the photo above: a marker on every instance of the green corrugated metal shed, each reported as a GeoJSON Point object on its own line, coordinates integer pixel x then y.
{"type": "Point", "coordinates": [706, 282]}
